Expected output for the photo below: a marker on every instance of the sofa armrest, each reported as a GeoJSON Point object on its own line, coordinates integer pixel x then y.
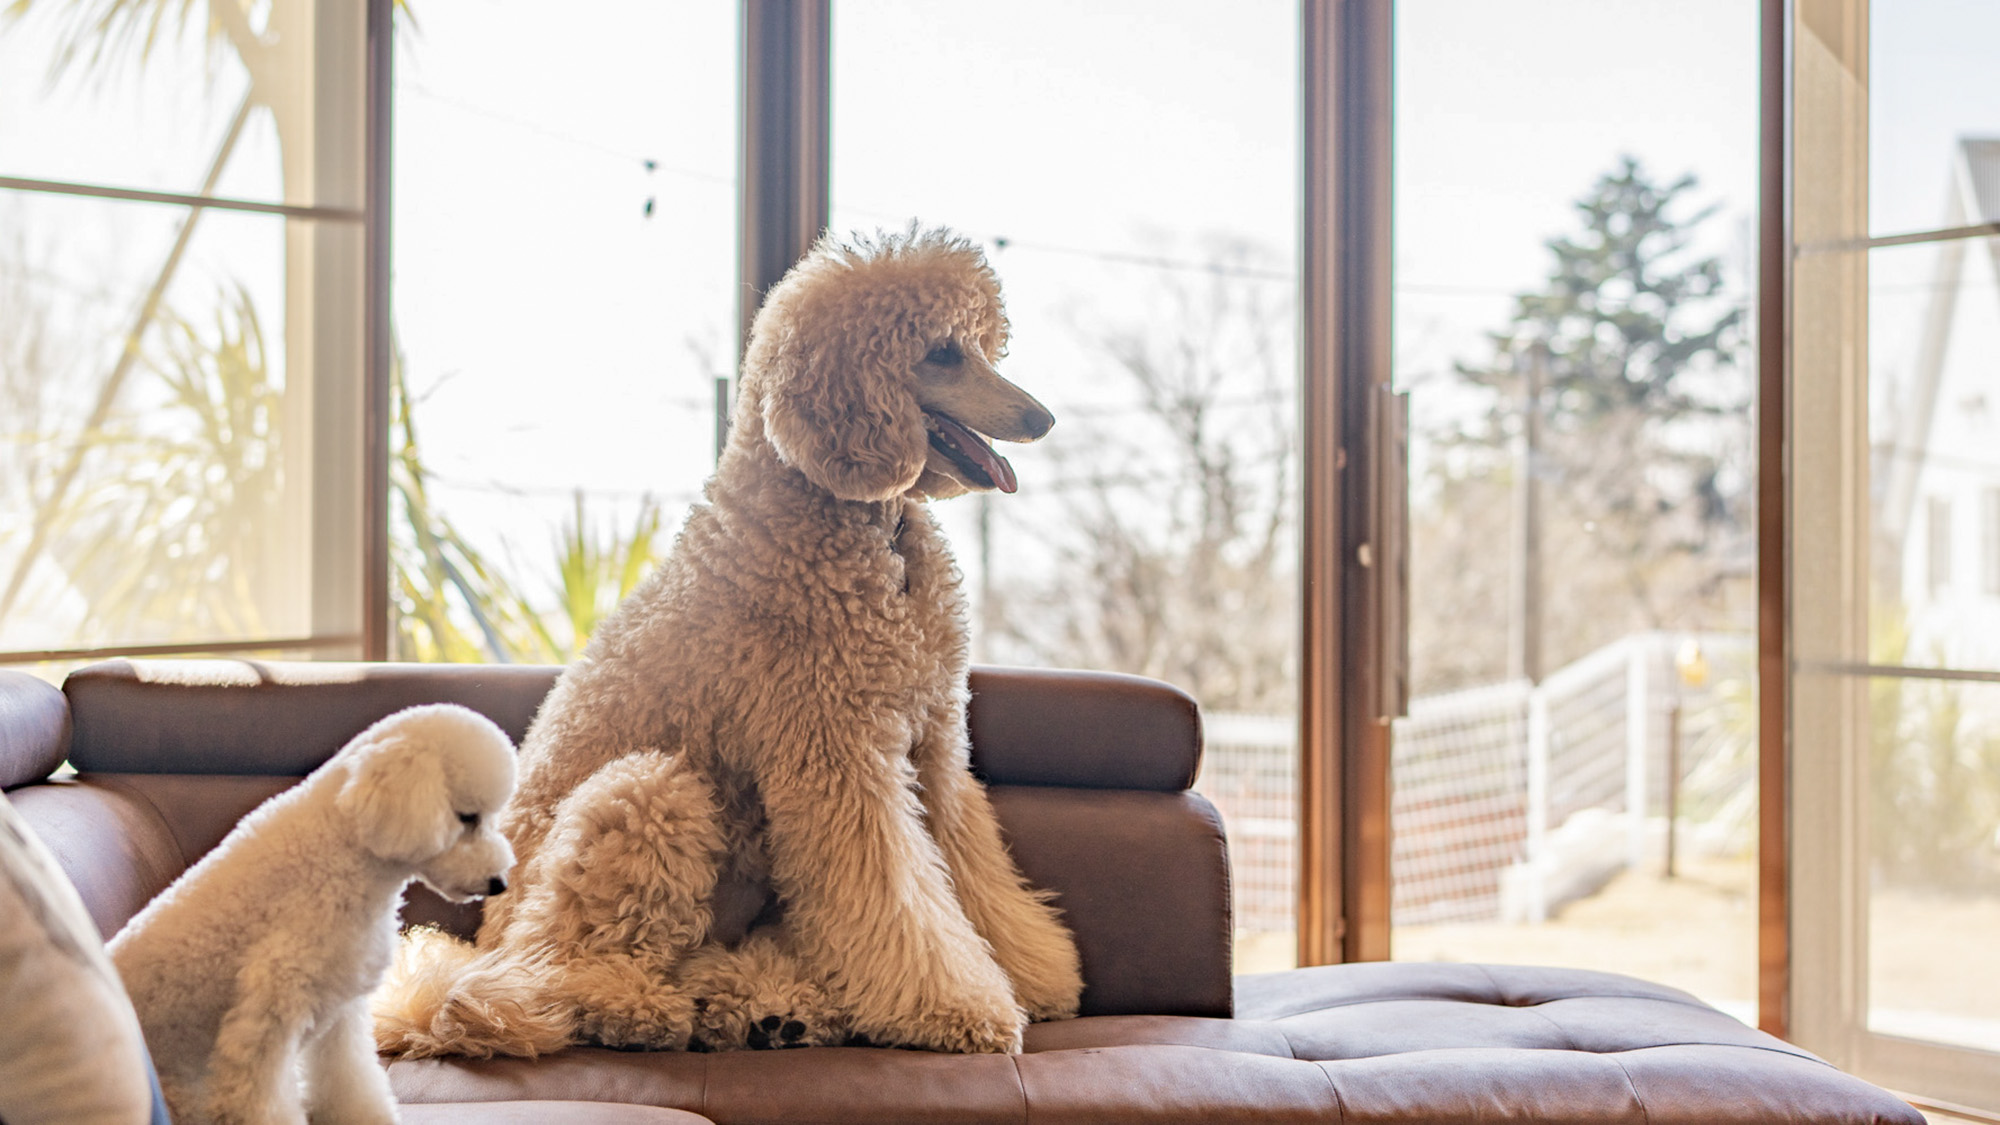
{"type": "Point", "coordinates": [114, 845]}
{"type": "Point", "coordinates": [1142, 880]}
{"type": "Point", "coordinates": [1090, 730]}
{"type": "Point", "coordinates": [34, 729]}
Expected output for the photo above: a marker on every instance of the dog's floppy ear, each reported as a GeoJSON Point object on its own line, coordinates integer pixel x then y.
{"type": "Point", "coordinates": [398, 798]}
{"type": "Point", "coordinates": [838, 408]}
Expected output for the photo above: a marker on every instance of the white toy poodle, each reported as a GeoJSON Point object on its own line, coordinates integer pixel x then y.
{"type": "Point", "coordinates": [252, 971]}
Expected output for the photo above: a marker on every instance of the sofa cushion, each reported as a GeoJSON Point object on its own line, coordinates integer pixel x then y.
{"type": "Point", "coordinates": [259, 717]}
{"type": "Point", "coordinates": [1367, 1042]}
{"type": "Point", "coordinates": [1029, 726]}
{"type": "Point", "coordinates": [116, 847]}
{"type": "Point", "coordinates": [34, 729]}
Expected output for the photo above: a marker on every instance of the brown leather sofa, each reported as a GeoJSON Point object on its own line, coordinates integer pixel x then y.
{"type": "Point", "coordinates": [1090, 775]}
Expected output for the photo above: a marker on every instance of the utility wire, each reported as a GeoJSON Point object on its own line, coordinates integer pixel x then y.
{"type": "Point", "coordinates": [646, 163]}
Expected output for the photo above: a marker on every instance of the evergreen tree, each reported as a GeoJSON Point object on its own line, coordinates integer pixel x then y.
{"type": "Point", "coordinates": [1642, 452]}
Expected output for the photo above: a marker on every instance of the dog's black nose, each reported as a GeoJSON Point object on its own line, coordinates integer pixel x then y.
{"type": "Point", "coordinates": [495, 885]}
{"type": "Point", "coordinates": [1036, 421]}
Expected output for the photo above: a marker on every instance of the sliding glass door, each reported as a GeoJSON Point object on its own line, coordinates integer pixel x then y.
{"type": "Point", "coordinates": [1894, 612]}
{"type": "Point", "coordinates": [1575, 783]}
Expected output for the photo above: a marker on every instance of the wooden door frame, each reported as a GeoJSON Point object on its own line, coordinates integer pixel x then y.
{"type": "Point", "coordinates": [1353, 566]}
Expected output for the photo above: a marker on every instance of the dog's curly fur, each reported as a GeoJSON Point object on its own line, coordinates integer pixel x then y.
{"type": "Point", "coordinates": [252, 971]}
{"type": "Point", "coordinates": [769, 734]}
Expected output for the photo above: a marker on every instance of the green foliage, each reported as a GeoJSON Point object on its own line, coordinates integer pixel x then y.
{"type": "Point", "coordinates": [95, 37]}
{"type": "Point", "coordinates": [168, 534]}
{"type": "Point", "coordinates": [592, 577]}
{"type": "Point", "coordinates": [1934, 779]}
{"type": "Point", "coordinates": [1627, 323]}
{"type": "Point", "coordinates": [97, 33]}
{"type": "Point", "coordinates": [452, 604]}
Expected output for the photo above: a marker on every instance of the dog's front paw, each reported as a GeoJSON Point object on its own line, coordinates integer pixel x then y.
{"type": "Point", "coordinates": [961, 1032]}
{"type": "Point", "coordinates": [785, 1031]}
{"type": "Point", "coordinates": [758, 996]}
{"type": "Point", "coordinates": [725, 1023]}
{"type": "Point", "coordinates": [637, 1028]}
{"type": "Point", "coordinates": [622, 1003]}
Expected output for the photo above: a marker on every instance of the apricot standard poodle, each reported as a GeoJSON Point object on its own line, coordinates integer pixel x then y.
{"type": "Point", "coordinates": [746, 815]}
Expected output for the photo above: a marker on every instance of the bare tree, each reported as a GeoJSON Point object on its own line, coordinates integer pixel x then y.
{"type": "Point", "coordinates": [1174, 543]}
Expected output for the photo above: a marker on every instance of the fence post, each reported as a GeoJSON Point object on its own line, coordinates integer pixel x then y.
{"type": "Point", "coordinates": [1538, 804]}
{"type": "Point", "coordinates": [1636, 713]}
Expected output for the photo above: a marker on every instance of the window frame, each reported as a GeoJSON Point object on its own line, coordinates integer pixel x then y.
{"type": "Point", "coordinates": [1815, 669]}
{"type": "Point", "coordinates": [342, 364]}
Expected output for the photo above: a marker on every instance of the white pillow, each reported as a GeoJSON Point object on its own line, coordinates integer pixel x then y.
{"type": "Point", "coordinates": [70, 1047]}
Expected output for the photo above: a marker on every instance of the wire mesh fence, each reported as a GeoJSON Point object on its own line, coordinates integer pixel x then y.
{"type": "Point", "coordinates": [1512, 798]}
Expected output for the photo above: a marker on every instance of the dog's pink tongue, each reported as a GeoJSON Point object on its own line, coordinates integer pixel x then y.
{"type": "Point", "coordinates": [981, 454]}
{"type": "Point", "coordinates": [996, 467]}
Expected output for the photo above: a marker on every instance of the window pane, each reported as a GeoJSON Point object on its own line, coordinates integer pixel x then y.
{"type": "Point", "coordinates": [1934, 846]}
{"type": "Point", "coordinates": [565, 300]}
{"type": "Point", "coordinates": [143, 96]}
{"type": "Point", "coordinates": [1575, 782]}
{"type": "Point", "coordinates": [182, 387]}
{"type": "Point", "coordinates": [1930, 92]}
{"type": "Point", "coordinates": [1134, 183]}
{"type": "Point", "coordinates": [165, 498]}
{"type": "Point", "coordinates": [1933, 328]}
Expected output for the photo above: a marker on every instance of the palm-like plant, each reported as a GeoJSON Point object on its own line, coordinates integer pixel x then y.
{"type": "Point", "coordinates": [171, 529]}
{"type": "Point", "coordinates": [93, 35]}
{"type": "Point", "coordinates": [170, 535]}
{"type": "Point", "coordinates": [454, 604]}
{"type": "Point", "coordinates": [592, 577]}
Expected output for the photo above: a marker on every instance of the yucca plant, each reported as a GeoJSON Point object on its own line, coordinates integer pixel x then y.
{"type": "Point", "coordinates": [451, 604]}
{"type": "Point", "coordinates": [170, 534]}
{"type": "Point", "coordinates": [454, 604]}
{"type": "Point", "coordinates": [592, 578]}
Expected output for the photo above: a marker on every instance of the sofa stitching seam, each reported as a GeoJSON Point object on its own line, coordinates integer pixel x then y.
{"type": "Point", "coordinates": [1695, 1005]}
{"type": "Point", "coordinates": [1780, 1051]}
{"type": "Point", "coordinates": [1645, 1113]}
{"type": "Point", "coordinates": [1290, 1047]}
{"type": "Point", "coordinates": [1791, 1053]}
{"type": "Point", "coordinates": [1339, 1104]}
{"type": "Point", "coordinates": [1021, 1083]}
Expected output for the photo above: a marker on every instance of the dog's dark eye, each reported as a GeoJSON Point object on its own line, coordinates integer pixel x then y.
{"type": "Point", "coordinates": [469, 819]}
{"type": "Point", "coordinates": [945, 355]}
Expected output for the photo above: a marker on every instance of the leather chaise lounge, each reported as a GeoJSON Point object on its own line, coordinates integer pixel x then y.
{"type": "Point", "coordinates": [1090, 773]}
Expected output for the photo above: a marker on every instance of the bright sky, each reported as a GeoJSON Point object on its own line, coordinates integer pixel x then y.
{"type": "Point", "coordinates": [1506, 112]}
{"type": "Point", "coordinates": [562, 338]}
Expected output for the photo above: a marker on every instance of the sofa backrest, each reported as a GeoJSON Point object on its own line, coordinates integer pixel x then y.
{"type": "Point", "coordinates": [1089, 773]}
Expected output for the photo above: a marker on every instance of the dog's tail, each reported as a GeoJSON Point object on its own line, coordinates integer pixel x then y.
{"type": "Point", "coordinates": [445, 997]}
